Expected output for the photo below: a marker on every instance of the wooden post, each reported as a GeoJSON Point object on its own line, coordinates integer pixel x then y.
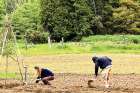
{"type": "Point", "coordinates": [62, 42]}
{"type": "Point", "coordinates": [25, 73]}
{"type": "Point", "coordinates": [6, 70]}
{"type": "Point", "coordinates": [26, 42]}
{"type": "Point", "coordinates": [19, 68]}
{"type": "Point", "coordinates": [49, 41]}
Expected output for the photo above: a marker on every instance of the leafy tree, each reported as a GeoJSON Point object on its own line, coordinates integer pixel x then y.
{"type": "Point", "coordinates": [127, 18]}
{"type": "Point", "coordinates": [2, 13]}
{"type": "Point", "coordinates": [70, 19]}
{"type": "Point", "coordinates": [26, 18]}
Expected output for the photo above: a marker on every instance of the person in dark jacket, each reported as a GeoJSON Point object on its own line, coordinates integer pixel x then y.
{"type": "Point", "coordinates": [44, 75]}
{"type": "Point", "coordinates": [105, 64]}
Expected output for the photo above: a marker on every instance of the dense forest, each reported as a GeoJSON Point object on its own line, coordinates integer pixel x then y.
{"type": "Point", "coordinates": [71, 19]}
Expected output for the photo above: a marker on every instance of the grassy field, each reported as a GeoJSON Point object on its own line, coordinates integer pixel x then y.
{"type": "Point", "coordinates": [92, 44]}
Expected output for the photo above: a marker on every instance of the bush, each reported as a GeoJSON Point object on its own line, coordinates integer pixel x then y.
{"type": "Point", "coordinates": [37, 37]}
{"type": "Point", "coordinates": [135, 41]}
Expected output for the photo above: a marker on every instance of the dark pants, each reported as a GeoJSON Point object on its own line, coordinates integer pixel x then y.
{"type": "Point", "coordinates": [46, 80]}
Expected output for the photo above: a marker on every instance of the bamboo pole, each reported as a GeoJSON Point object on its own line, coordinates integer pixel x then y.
{"type": "Point", "coordinates": [20, 71]}
{"type": "Point", "coordinates": [6, 70]}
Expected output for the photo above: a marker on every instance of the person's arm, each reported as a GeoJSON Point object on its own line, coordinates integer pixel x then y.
{"type": "Point", "coordinates": [38, 76]}
{"type": "Point", "coordinates": [96, 69]}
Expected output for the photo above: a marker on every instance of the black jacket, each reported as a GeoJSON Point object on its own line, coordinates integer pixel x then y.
{"type": "Point", "coordinates": [101, 62]}
{"type": "Point", "coordinates": [46, 73]}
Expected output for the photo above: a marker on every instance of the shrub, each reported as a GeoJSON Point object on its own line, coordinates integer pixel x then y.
{"type": "Point", "coordinates": [37, 37]}
{"type": "Point", "coordinates": [135, 41]}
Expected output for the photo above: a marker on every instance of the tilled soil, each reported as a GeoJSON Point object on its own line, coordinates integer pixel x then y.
{"type": "Point", "coordinates": [76, 83]}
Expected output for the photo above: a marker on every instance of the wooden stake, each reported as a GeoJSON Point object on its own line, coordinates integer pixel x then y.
{"type": "Point", "coordinates": [6, 70]}
{"type": "Point", "coordinates": [49, 41]}
{"type": "Point", "coordinates": [62, 42]}
{"type": "Point", "coordinates": [25, 73]}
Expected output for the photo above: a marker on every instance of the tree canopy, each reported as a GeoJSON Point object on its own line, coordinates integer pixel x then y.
{"type": "Point", "coordinates": [73, 19]}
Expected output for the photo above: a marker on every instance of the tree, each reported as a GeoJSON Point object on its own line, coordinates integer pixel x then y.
{"type": "Point", "coordinates": [70, 19]}
{"type": "Point", "coordinates": [103, 16]}
{"type": "Point", "coordinates": [2, 13]}
{"type": "Point", "coordinates": [127, 18]}
{"type": "Point", "coordinates": [26, 18]}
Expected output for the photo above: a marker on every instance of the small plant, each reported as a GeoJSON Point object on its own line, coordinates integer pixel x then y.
{"type": "Point", "coordinates": [135, 41]}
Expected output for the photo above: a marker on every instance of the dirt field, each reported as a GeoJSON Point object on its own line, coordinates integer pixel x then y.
{"type": "Point", "coordinates": [78, 69]}
{"type": "Point", "coordinates": [76, 83]}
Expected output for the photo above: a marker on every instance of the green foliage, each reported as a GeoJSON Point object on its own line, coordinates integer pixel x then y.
{"type": "Point", "coordinates": [10, 5]}
{"type": "Point", "coordinates": [91, 44]}
{"type": "Point", "coordinates": [37, 37]}
{"type": "Point", "coordinates": [125, 39]}
{"type": "Point", "coordinates": [9, 49]}
{"type": "Point", "coordinates": [66, 18]}
{"type": "Point", "coordinates": [102, 23]}
{"type": "Point", "coordinates": [71, 19]}
{"type": "Point", "coordinates": [127, 18]}
{"type": "Point", "coordinates": [8, 45]}
{"type": "Point", "coordinates": [26, 18]}
{"type": "Point", "coordinates": [135, 41]}
{"type": "Point", "coordinates": [2, 13]}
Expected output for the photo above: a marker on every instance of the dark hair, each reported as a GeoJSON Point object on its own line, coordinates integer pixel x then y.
{"type": "Point", "coordinates": [94, 58]}
{"type": "Point", "coordinates": [36, 67]}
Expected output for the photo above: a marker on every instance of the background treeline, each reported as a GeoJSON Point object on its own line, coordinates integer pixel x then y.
{"type": "Point", "coordinates": [72, 19]}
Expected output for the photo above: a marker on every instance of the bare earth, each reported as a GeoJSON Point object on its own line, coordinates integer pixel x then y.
{"type": "Point", "coordinates": [67, 81]}
{"type": "Point", "coordinates": [76, 83]}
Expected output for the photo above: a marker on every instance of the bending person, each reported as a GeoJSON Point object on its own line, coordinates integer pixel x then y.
{"type": "Point", "coordinates": [44, 75]}
{"type": "Point", "coordinates": [105, 64]}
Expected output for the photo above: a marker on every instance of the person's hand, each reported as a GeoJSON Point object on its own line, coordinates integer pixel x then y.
{"type": "Point", "coordinates": [38, 79]}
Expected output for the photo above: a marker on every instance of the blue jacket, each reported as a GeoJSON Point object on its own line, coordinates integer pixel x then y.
{"type": "Point", "coordinates": [101, 62]}
{"type": "Point", "coordinates": [46, 73]}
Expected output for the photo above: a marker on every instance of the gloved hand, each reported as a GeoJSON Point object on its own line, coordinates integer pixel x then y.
{"type": "Point", "coordinates": [38, 79]}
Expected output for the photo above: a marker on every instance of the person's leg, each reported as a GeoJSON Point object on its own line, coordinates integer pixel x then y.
{"type": "Point", "coordinates": [108, 70]}
{"type": "Point", "coordinates": [46, 80]}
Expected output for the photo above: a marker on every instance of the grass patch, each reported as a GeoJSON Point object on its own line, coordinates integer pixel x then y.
{"type": "Point", "coordinates": [80, 48]}
{"type": "Point", "coordinates": [98, 44]}
{"type": "Point", "coordinates": [9, 75]}
{"type": "Point", "coordinates": [113, 38]}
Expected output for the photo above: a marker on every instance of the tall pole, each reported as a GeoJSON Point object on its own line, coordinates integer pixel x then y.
{"type": "Point", "coordinates": [25, 74]}
{"type": "Point", "coordinates": [6, 70]}
{"type": "Point", "coordinates": [49, 41]}
{"type": "Point", "coordinates": [5, 36]}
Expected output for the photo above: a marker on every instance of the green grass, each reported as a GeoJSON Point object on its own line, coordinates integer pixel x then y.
{"type": "Point", "coordinates": [113, 38]}
{"type": "Point", "coordinates": [92, 44]}
{"type": "Point", "coordinates": [9, 75]}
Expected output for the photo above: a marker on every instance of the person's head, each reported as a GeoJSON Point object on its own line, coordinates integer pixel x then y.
{"type": "Point", "coordinates": [37, 68]}
{"type": "Point", "coordinates": [94, 59]}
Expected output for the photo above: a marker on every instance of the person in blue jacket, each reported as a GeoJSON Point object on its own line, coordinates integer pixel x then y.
{"type": "Point", "coordinates": [105, 64]}
{"type": "Point", "coordinates": [44, 75]}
